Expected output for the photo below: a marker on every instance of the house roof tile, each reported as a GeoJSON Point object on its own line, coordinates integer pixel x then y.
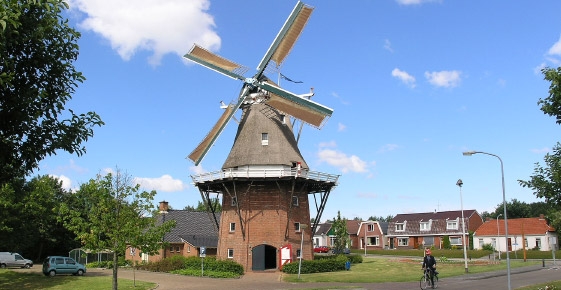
{"type": "Point", "coordinates": [191, 226]}
{"type": "Point", "coordinates": [527, 226]}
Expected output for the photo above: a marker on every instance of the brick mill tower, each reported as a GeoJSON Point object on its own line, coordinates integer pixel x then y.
{"type": "Point", "coordinates": [265, 183]}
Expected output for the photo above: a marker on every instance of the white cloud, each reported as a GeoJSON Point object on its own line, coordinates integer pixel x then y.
{"type": "Point", "coordinates": [164, 183]}
{"type": "Point", "coordinates": [448, 79]}
{"type": "Point", "coordinates": [541, 151]}
{"type": "Point", "coordinates": [404, 77]}
{"type": "Point", "coordinates": [66, 182]}
{"type": "Point", "coordinates": [388, 45]}
{"type": "Point", "coordinates": [331, 144]}
{"type": "Point", "coordinates": [157, 26]}
{"type": "Point", "coordinates": [556, 48]}
{"type": "Point", "coordinates": [341, 127]}
{"type": "Point", "coordinates": [342, 161]}
{"type": "Point", "coordinates": [388, 147]}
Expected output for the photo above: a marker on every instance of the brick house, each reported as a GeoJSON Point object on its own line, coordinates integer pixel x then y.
{"type": "Point", "coordinates": [417, 230]}
{"type": "Point", "coordinates": [374, 233]}
{"type": "Point", "coordinates": [192, 231]}
{"type": "Point", "coordinates": [352, 230]}
{"type": "Point", "coordinates": [528, 233]}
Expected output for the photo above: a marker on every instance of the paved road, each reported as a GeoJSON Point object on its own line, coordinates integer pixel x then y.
{"type": "Point", "coordinates": [520, 277]}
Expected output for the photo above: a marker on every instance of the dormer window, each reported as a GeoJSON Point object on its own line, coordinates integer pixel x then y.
{"type": "Point", "coordinates": [399, 227]}
{"type": "Point", "coordinates": [424, 226]}
{"type": "Point", "coordinates": [264, 139]}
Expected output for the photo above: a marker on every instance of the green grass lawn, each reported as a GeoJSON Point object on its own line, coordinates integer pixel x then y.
{"type": "Point", "coordinates": [17, 280]}
{"type": "Point", "coordinates": [387, 269]}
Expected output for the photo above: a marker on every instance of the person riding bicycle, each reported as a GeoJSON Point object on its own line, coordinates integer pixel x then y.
{"type": "Point", "coordinates": [429, 262]}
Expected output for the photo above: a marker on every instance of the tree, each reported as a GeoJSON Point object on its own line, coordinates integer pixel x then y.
{"type": "Point", "coordinates": [202, 207]}
{"type": "Point", "coordinates": [552, 104]}
{"type": "Point", "coordinates": [389, 218]}
{"type": "Point", "coordinates": [28, 218]}
{"type": "Point", "coordinates": [341, 234]}
{"type": "Point", "coordinates": [546, 181]}
{"type": "Point", "coordinates": [37, 79]}
{"type": "Point", "coordinates": [113, 214]}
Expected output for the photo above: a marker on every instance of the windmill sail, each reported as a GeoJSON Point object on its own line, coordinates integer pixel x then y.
{"type": "Point", "coordinates": [216, 62]}
{"type": "Point", "coordinates": [306, 110]}
{"type": "Point", "coordinates": [287, 36]}
{"type": "Point", "coordinates": [199, 153]}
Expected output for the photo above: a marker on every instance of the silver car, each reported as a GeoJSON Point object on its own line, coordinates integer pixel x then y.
{"type": "Point", "coordinates": [9, 259]}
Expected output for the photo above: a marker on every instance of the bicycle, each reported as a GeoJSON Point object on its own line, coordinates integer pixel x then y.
{"type": "Point", "coordinates": [425, 281]}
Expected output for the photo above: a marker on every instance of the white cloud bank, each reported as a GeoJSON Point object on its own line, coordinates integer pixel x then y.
{"type": "Point", "coordinates": [165, 183]}
{"type": "Point", "coordinates": [404, 77]}
{"type": "Point", "coordinates": [158, 26]}
{"type": "Point", "coordinates": [448, 79]}
{"type": "Point", "coordinates": [341, 160]}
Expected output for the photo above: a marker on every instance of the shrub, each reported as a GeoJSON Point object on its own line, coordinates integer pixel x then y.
{"type": "Point", "coordinates": [332, 264]}
{"type": "Point", "coordinates": [446, 242]}
{"type": "Point", "coordinates": [487, 247]}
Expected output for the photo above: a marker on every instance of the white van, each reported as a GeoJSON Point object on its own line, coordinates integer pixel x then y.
{"type": "Point", "coordinates": [9, 259]}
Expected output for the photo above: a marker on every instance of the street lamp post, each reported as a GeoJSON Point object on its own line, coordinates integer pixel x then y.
{"type": "Point", "coordinates": [302, 227]}
{"type": "Point", "coordinates": [498, 244]}
{"type": "Point", "coordinates": [460, 183]}
{"type": "Point", "coordinates": [469, 153]}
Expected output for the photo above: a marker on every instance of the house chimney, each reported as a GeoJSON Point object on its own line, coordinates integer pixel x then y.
{"type": "Point", "coordinates": [487, 219]}
{"type": "Point", "coordinates": [541, 216]}
{"type": "Point", "coordinates": [164, 206]}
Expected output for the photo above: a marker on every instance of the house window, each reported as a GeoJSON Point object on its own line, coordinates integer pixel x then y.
{"type": "Point", "coordinates": [298, 252]}
{"type": "Point", "coordinates": [424, 226]}
{"type": "Point", "coordinates": [171, 249]}
{"type": "Point", "coordinates": [264, 139]}
{"type": "Point", "coordinates": [230, 253]}
{"type": "Point", "coordinates": [402, 241]}
{"type": "Point", "coordinates": [429, 241]}
{"type": "Point", "coordinates": [400, 227]}
{"type": "Point", "coordinates": [177, 249]}
{"type": "Point", "coordinates": [481, 243]}
{"type": "Point", "coordinates": [452, 225]}
{"type": "Point", "coordinates": [234, 200]}
{"type": "Point", "coordinates": [538, 243]}
{"type": "Point", "coordinates": [370, 228]}
{"type": "Point", "coordinates": [295, 201]}
{"type": "Point", "coordinates": [283, 119]}
{"type": "Point", "coordinates": [232, 227]}
{"type": "Point", "coordinates": [526, 242]}
{"type": "Point", "coordinates": [372, 241]}
{"type": "Point", "coordinates": [332, 241]}
{"type": "Point", "coordinates": [297, 227]}
{"type": "Point", "coordinates": [455, 240]}
{"type": "Point", "coordinates": [493, 242]}
{"type": "Point", "coordinates": [188, 249]}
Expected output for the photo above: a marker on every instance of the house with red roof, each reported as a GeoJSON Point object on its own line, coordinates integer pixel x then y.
{"type": "Point", "coordinates": [428, 229]}
{"type": "Point", "coordinates": [528, 233]}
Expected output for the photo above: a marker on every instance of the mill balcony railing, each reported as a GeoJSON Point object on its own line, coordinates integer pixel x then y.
{"type": "Point", "coordinates": [264, 173]}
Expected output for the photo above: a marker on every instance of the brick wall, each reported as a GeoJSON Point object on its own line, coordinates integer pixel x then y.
{"type": "Point", "coordinates": [267, 218]}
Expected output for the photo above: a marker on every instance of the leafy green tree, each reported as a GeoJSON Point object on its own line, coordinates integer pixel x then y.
{"type": "Point", "coordinates": [552, 104]}
{"type": "Point", "coordinates": [202, 207]}
{"type": "Point", "coordinates": [546, 181]}
{"type": "Point", "coordinates": [341, 234]}
{"type": "Point", "coordinates": [113, 214]}
{"type": "Point", "coordinates": [389, 218]}
{"type": "Point", "coordinates": [37, 79]}
{"type": "Point", "coordinates": [28, 218]}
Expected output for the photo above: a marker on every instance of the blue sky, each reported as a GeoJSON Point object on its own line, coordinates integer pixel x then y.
{"type": "Point", "coordinates": [413, 84]}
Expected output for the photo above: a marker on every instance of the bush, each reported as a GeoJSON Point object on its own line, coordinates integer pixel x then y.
{"type": "Point", "coordinates": [177, 264]}
{"type": "Point", "coordinates": [487, 247]}
{"type": "Point", "coordinates": [332, 264]}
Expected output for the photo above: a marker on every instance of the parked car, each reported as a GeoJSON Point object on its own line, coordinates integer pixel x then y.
{"type": "Point", "coordinates": [345, 251]}
{"type": "Point", "coordinates": [9, 259]}
{"type": "Point", "coordinates": [321, 249]}
{"type": "Point", "coordinates": [54, 265]}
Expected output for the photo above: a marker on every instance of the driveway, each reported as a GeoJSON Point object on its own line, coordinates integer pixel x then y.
{"type": "Point", "coordinates": [272, 281]}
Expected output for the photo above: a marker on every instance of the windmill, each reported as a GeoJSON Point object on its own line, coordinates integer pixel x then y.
{"type": "Point", "coordinates": [265, 182]}
{"type": "Point", "coordinates": [258, 88]}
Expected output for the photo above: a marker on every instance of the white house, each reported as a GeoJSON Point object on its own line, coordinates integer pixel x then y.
{"type": "Point", "coordinates": [535, 233]}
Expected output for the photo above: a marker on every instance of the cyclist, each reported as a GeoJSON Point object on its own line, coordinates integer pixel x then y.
{"type": "Point", "coordinates": [429, 262]}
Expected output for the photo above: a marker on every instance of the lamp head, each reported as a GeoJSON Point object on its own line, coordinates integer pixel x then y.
{"type": "Point", "coordinates": [459, 183]}
{"type": "Point", "coordinates": [468, 153]}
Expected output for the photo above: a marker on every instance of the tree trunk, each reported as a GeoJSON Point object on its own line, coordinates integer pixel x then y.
{"type": "Point", "coordinates": [115, 267]}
